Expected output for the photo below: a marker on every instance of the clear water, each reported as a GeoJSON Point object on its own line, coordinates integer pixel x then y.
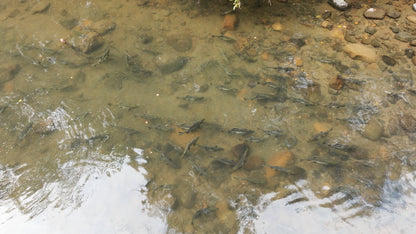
{"type": "Point", "coordinates": [93, 139]}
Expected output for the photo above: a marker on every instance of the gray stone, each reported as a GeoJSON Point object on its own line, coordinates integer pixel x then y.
{"type": "Point", "coordinates": [41, 7]}
{"type": "Point", "coordinates": [375, 43]}
{"type": "Point", "coordinates": [168, 64]}
{"type": "Point", "coordinates": [370, 30]}
{"type": "Point", "coordinates": [388, 60]}
{"type": "Point", "coordinates": [374, 13]}
{"type": "Point", "coordinates": [393, 14]}
{"type": "Point", "coordinates": [179, 41]}
{"type": "Point", "coordinates": [395, 29]}
{"type": "Point", "coordinates": [409, 52]}
{"type": "Point", "coordinates": [403, 36]}
{"type": "Point", "coordinates": [373, 130]}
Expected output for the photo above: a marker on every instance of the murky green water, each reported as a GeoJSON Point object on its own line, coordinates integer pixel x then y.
{"type": "Point", "coordinates": [147, 116]}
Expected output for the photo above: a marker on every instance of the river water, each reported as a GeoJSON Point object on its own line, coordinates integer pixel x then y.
{"type": "Point", "coordinates": [155, 117]}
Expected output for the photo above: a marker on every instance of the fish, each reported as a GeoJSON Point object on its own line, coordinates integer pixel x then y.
{"type": "Point", "coordinates": [203, 212]}
{"type": "Point", "coordinates": [169, 161]}
{"type": "Point", "coordinates": [195, 126]}
{"type": "Point", "coordinates": [224, 162]}
{"type": "Point", "coordinates": [102, 58]}
{"type": "Point", "coordinates": [198, 168]}
{"type": "Point", "coordinates": [253, 180]}
{"type": "Point", "coordinates": [242, 160]}
{"type": "Point", "coordinates": [189, 145]}
{"type": "Point", "coordinates": [25, 131]}
{"type": "Point", "coordinates": [320, 135]}
{"type": "Point", "coordinates": [241, 131]}
{"type": "Point", "coordinates": [211, 148]}
{"type": "Point", "coordinates": [282, 169]}
{"type": "Point", "coordinates": [191, 98]}
{"type": "Point", "coordinates": [224, 38]}
{"type": "Point", "coordinates": [275, 133]}
{"type": "Point", "coordinates": [264, 97]}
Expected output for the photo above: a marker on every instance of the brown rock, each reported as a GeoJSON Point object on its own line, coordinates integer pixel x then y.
{"type": "Point", "coordinates": [411, 18]}
{"type": "Point", "coordinates": [321, 127]}
{"type": "Point", "coordinates": [230, 22]}
{"type": "Point", "coordinates": [89, 42]}
{"type": "Point", "coordinates": [253, 162]}
{"type": "Point", "coordinates": [336, 83]}
{"type": "Point", "coordinates": [361, 52]}
{"type": "Point", "coordinates": [239, 149]}
{"type": "Point", "coordinates": [277, 27]}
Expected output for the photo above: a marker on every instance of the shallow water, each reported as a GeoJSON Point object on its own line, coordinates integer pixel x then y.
{"type": "Point", "coordinates": [147, 116]}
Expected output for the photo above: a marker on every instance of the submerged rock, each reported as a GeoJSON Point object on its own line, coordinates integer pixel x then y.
{"type": "Point", "coordinates": [41, 7]}
{"type": "Point", "coordinates": [388, 60]}
{"type": "Point", "coordinates": [374, 13]}
{"type": "Point", "coordinates": [8, 72]}
{"type": "Point", "coordinates": [403, 36]}
{"type": "Point", "coordinates": [361, 52]}
{"type": "Point", "coordinates": [89, 42]}
{"type": "Point", "coordinates": [340, 5]}
{"type": "Point", "coordinates": [230, 22]}
{"type": "Point", "coordinates": [408, 123]}
{"type": "Point", "coordinates": [373, 130]}
{"type": "Point", "coordinates": [169, 64]}
{"type": "Point", "coordinates": [179, 41]}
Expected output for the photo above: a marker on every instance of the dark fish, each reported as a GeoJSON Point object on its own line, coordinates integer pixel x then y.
{"type": "Point", "coordinates": [198, 168]}
{"type": "Point", "coordinates": [129, 131]}
{"type": "Point", "coordinates": [300, 199]}
{"type": "Point", "coordinates": [188, 146]}
{"type": "Point", "coordinates": [227, 90]}
{"type": "Point", "coordinates": [102, 58]}
{"type": "Point", "coordinates": [324, 162]}
{"type": "Point", "coordinates": [275, 133]}
{"type": "Point", "coordinates": [283, 169]}
{"type": "Point", "coordinates": [224, 162]}
{"type": "Point", "coordinates": [254, 139]}
{"type": "Point", "coordinates": [303, 101]}
{"type": "Point", "coordinates": [98, 137]}
{"type": "Point", "coordinates": [195, 126]}
{"type": "Point", "coordinates": [241, 131]}
{"type": "Point", "coordinates": [25, 131]}
{"type": "Point", "coordinates": [224, 38]}
{"type": "Point", "coordinates": [253, 180]}
{"type": "Point", "coordinates": [319, 135]}
{"type": "Point", "coordinates": [203, 212]}
{"type": "Point", "coordinates": [211, 148]}
{"type": "Point", "coordinates": [169, 161]}
{"type": "Point", "coordinates": [264, 97]}
{"type": "Point", "coordinates": [164, 187]}
{"type": "Point", "coordinates": [242, 160]}
{"type": "Point", "coordinates": [191, 98]}
{"type": "Point", "coordinates": [3, 108]}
